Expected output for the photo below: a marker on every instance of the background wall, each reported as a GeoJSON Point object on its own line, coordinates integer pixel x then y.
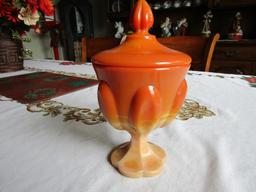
{"type": "Point", "coordinates": [40, 45]}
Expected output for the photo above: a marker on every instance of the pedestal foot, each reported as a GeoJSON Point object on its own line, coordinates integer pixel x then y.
{"type": "Point", "coordinates": [138, 162]}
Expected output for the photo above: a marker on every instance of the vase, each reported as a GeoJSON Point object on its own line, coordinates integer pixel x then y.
{"type": "Point", "coordinates": [11, 57]}
{"type": "Point", "coordinates": [141, 87]}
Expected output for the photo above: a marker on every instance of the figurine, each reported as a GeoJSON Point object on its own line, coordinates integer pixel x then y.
{"type": "Point", "coordinates": [207, 20]}
{"type": "Point", "coordinates": [237, 26]}
{"type": "Point", "coordinates": [187, 3]}
{"type": "Point", "coordinates": [237, 33]}
{"type": "Point", "coordinates": [167, 4]}
{"type": "Point", "coordinates": [166, 26]}
{"type": "Point", "coordinates": [183, 26]}
{"type": "Point", "coordinates": [120, 29]}
{"type": "Point", "coordinates": [177, 3]}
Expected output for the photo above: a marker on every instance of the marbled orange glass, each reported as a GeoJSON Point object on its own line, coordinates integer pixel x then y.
{"type": "Point", "coordinates": [141, 87]}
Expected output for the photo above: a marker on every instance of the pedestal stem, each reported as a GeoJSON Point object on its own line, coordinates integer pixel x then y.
{"type": "Point", "coordinates": [139, 145]}
{"type": "Point", "coordinates": [138, 157]}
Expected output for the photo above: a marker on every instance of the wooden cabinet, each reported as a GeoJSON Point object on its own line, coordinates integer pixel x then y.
{"type": "Point", "coordinates": [231, 3]}
{"type": "Point", "coordinates": [223, 12]}
{"type": "Point", "coordinates": [230, 56]}
{"type": "Point", "coordinates": [237, 57]}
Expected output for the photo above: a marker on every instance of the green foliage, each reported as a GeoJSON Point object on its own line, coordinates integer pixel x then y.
{"type": "Point", "coordinates": [27, 53]}
{"type": "Point", "coordinates": [16, 36]}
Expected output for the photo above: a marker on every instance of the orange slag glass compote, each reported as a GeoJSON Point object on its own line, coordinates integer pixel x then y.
{"type": "Point", "coordinates": [141, 87]}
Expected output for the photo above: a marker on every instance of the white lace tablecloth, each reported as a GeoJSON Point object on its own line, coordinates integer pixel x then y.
{"type": "Point", "coordinates": [62, 145]}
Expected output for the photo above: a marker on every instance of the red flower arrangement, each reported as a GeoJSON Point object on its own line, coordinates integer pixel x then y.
{"type": "Point", "coordinates": [18, 16]}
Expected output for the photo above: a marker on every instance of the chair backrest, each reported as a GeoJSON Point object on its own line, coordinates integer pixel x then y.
{"type": "Point", "coordinates": [200, 48]}
{"type": "Point", "coordinates": [92, 46]}
{"type": "Point", "coordinates": [211, 47]}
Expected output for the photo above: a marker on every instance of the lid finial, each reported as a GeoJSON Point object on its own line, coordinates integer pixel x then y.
{"type": "Point", "coordinates": [142, 18]}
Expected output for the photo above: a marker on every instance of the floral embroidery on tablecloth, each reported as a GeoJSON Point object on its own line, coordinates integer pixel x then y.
{"type": "Point", "coordinates": [88, 116]}
{"type": "Point", "coordinates": [54, 108]}
{"type": "Point", "coordinates": [251, 80]}
{"type": "Point", "coordinates": [212, 75]}
{"type": "Point", "coordinates": [191, 109]}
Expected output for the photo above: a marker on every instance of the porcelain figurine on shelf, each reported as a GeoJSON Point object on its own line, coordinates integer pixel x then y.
{"type": "Point", "coordinates": [187, 3]}
{"type": "Point", "coordinates": [167, 4]}
{"type": "Point", "coordinates": [120, 30]}
{"type": "Point", "coordinates": [142, 86]}
{"type": "Point", "coordinates": [166, 27]}
{"type": "Point", "coordinates": [237, 33]}
{"type": "Point", "coordinates": [177, 3]}
{"type": "Point", "coordinates": [207, 20]}
{"type": "Point", "coordinates": [183, 26]}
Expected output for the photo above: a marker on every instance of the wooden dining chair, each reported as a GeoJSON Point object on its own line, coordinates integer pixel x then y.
{"type": "Point", "coordinates": [210, 47]}
{"type": "Point", "coordinates": [92, 46]}
{"type": "Point", "coordinates": [200, 48]}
